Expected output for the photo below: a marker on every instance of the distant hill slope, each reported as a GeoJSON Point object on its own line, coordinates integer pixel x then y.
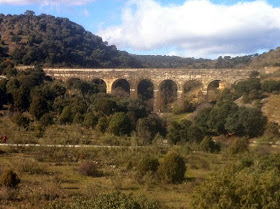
{"type": "Point", "coordinates": [53, 41]}
{"type": "Point", "coordinates": [158, 61]}
{"type": "Point", "coordinates": [57, 41]}
{"type": "Point", "coordinates": [267, 59]}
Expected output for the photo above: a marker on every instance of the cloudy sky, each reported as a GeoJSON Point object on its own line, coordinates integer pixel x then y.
{"type": "Point", "coordinates": [189, 28]}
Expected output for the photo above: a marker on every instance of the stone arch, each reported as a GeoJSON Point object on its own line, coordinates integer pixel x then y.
{"type": "Point", "coordinates": [101, 84]}
{"type": "Point", "coordinates": [121, 87]}
{"type": "Point", "coordinates": [168, 94]}
{"type": "Point", "coordinates": [213, 89]}
{"type": "Point", "coordinates": [192, 85]}
{"type": "Point", "coordinates": [145, 91]}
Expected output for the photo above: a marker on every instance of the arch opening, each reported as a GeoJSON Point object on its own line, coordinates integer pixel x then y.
{"type": "Point", "coordinates": [121, 88]}
{"type": "Point", "coordinates": [213, 90]}
{"type": "Point", "coordinates": [145, 92]}
{"type": "Point", "coordinates": [168, 95]}
{"type": "Point", "coordinates": [100, 85]}
{"type": "Point", "coordinates": [192, 95]}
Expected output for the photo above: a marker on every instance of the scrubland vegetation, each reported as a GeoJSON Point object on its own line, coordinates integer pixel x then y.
{"type": "Point", "coordinates": [202, 165]}
{"type": "Point", "coordinates": [219, 151]}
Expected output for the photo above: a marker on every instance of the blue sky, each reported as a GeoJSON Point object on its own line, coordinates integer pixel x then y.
{"type": "Point", "coordinates": [189, 28]}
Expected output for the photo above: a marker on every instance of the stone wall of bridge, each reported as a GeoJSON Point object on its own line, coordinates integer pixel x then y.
{"type": "Point", "coordinates": [226, 78]}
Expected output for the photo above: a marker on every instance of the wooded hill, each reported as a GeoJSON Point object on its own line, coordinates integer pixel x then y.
{"type": "Point", "coordinates": [54, 41]}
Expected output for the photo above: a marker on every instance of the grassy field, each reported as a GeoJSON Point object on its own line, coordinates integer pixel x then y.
{"type": "Point", "coordinates": [48, 174]}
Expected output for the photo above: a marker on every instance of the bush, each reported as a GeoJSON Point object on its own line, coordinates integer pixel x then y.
{"type": "Point", "coordinates": [10, 179]}
{"type": "Point", "coordinates": [234, 187]}
{"type": "Point", "coordinates": [20, 120]}
{"type": "Point", "coordinates": [172, 168]}
{"type": "Point", "coordinates": [110, 201]}
{"type": "Point", "coordinates": [208, 145]}
{"type": "Point", "coordinates": [239, 145]}
{"type": "Point", "coordinates": [89, 169]}
{"type": "Point", "coordinates": [271, 85]}
{"type": "Point", "coordinates": [147, 164]}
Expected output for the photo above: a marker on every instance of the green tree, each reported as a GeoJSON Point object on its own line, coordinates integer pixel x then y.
{"type": "Point", "coordinates": [38, 107]}
{"type": "Point", "coordinates": [120, 124]}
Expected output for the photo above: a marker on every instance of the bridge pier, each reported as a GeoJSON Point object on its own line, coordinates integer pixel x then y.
{"type": "Point", "coordinates": [156, 76]}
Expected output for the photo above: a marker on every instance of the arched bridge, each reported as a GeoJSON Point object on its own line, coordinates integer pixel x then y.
{"type": "Point", "coordinates": [133, 77]}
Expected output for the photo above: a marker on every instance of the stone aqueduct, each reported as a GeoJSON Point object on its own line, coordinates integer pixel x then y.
{"type": "Point", "coordinates": [226, 78]}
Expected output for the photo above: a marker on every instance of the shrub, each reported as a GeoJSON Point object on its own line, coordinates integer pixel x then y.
{"type": "Point", "coordinates": [20, 120]}
{"type": "Point", "coordinates": [108, 201]}
{"type": "Point", "coordinates": [147, 164]}
{"type": "Point", "coordinates": [89, 169]}
{"type": "Point", "coordinates": [271, 85]}
{"type": "Point", "coordinates": [10, 179]}
{"type": "Point", "coordinates": [30, 166]}
{"type": "Point", "coordinates": [234, 187]}
{"type": "Point", "coordinates": [239, 145]}
{"type": "Point", "coordinates": [172, 168]}
{"type": "Point", "coordinates": [208, 145]}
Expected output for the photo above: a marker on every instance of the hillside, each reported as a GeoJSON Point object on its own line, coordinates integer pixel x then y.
{"type": "Point", "coordinates": [55, 41]}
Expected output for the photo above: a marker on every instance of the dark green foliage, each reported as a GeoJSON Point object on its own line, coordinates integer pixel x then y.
{"type": "Point", "coordinates": [3, 93]}
{"type": "Point", "coordinates": [147, 128]}
{"type": "Point", "coordinates": [249, 185]}
{"type": "Point", "coordinates": [271, 85]}
{"type": "Point", "coordinates": [246, 86]}
{"type": "Point", "coordinates": [90, 120]}
{"type": "Point", "coordinates": [208, 145]}
{"type": "Point", "coordinates": [105, 106]}
{"type": "Point", "coordinates": [218, 116]}
{"type": "Point", "coordinates": [178, 131]}
{"type": "Point", "coordinates": [20, 99]}
{"type": "Point", "coordinates": [102, 124]}
{"type": "Point", "coordinates": [202, 118]}
{"type": "Point", "coordinates": [38, 107]}
{"type": "Point", "coordinates": [147, 164]}
{"type": "Point", "coordinates": [20, 120]}
{"type": "Point", "coordinates": [10, 179]}
{"type": "Point", "coordinates": [226, 117]}
{"type": "Point", "coordinates": [195, 134]}
{"type": "Point", "coordinates": [58, 41]}
{"type": "Point", "coordinates": [174, 133]}
{"type": "Point", "coordinates": [172, 168]}
{"type": "Point", "coordinates": [120, 124]}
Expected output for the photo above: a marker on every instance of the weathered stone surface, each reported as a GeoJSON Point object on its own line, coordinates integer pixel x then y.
{"type": "Point", "coordinates": [227, 77]}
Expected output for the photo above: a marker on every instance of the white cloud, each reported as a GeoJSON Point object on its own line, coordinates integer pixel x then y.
{"type": "Point", "coordinates": [85, 13]}
{"type": "Point", "coordinates": [197, 28]}
{"type": "Point", "coordinates": [46, 2]}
